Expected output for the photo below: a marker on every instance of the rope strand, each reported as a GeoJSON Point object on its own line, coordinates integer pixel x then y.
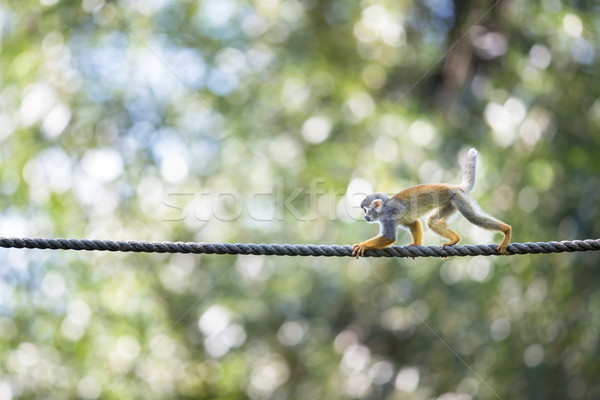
{"type": "Point", "coordinates": [295, 249]}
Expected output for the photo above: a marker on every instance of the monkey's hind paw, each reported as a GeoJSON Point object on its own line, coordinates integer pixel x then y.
{"type": "Point", "coordinates": [450, 243]}
{"type": "Point", "coordinates": [502, 249]}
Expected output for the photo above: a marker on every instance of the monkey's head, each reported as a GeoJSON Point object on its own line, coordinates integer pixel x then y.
{"type": "Point", "coordinates": [372, 206]}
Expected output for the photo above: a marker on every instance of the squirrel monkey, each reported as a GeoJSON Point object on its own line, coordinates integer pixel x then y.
{"type": "Point", "coordinates": [406, 207]}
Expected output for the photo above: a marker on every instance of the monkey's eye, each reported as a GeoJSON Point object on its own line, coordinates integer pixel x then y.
{"type": "Point", "coordinates": [365, 209]}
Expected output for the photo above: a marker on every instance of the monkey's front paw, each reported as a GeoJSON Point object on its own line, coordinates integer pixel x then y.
{"type": "Point", "coordinates": [358, 250]}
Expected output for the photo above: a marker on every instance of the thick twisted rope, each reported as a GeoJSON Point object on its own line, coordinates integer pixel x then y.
{"type": "Point", "coordinates": [296, 249]}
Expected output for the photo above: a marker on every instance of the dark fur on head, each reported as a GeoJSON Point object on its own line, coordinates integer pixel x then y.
{"type": "Point", "coordinates": [375, 196]}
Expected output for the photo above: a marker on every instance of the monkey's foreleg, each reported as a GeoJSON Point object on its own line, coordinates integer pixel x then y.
{"type": "Point", "coordinates": [378, 242]}
{"type": "Point", "coordinates": [416, 231]}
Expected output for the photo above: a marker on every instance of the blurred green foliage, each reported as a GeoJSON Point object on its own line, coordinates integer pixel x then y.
{"type": "Point", "coordinates": [266, 121]}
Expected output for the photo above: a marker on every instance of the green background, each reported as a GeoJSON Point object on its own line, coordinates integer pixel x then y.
{"type": "Point", "coordinates": [267, 121]}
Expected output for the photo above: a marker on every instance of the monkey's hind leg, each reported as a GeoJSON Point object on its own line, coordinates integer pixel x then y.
{"type": "Point", "coordinates": [437, 223]}
{"type": "Point", "coordinates": [471, 210]}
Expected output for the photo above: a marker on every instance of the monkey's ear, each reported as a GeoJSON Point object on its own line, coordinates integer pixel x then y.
{"type": "Point", "coordinates": [377, 204]}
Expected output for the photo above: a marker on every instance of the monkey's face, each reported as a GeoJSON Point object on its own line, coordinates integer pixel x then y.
{"type": "Point", "coordinates": [372, 211]}
{"type": "Point", "coordinates": [372, 206]}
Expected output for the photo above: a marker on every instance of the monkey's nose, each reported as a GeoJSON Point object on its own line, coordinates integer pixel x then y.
{"type": "Point", "coordinates": [367, 218]}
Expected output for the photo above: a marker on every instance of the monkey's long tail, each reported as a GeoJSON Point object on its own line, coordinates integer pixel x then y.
{"type": "Point", "coordinates": [469, 174]}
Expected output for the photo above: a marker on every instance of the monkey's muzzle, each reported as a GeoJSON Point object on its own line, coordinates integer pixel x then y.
{"type": "Point", "coordinates": [367, 218]}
